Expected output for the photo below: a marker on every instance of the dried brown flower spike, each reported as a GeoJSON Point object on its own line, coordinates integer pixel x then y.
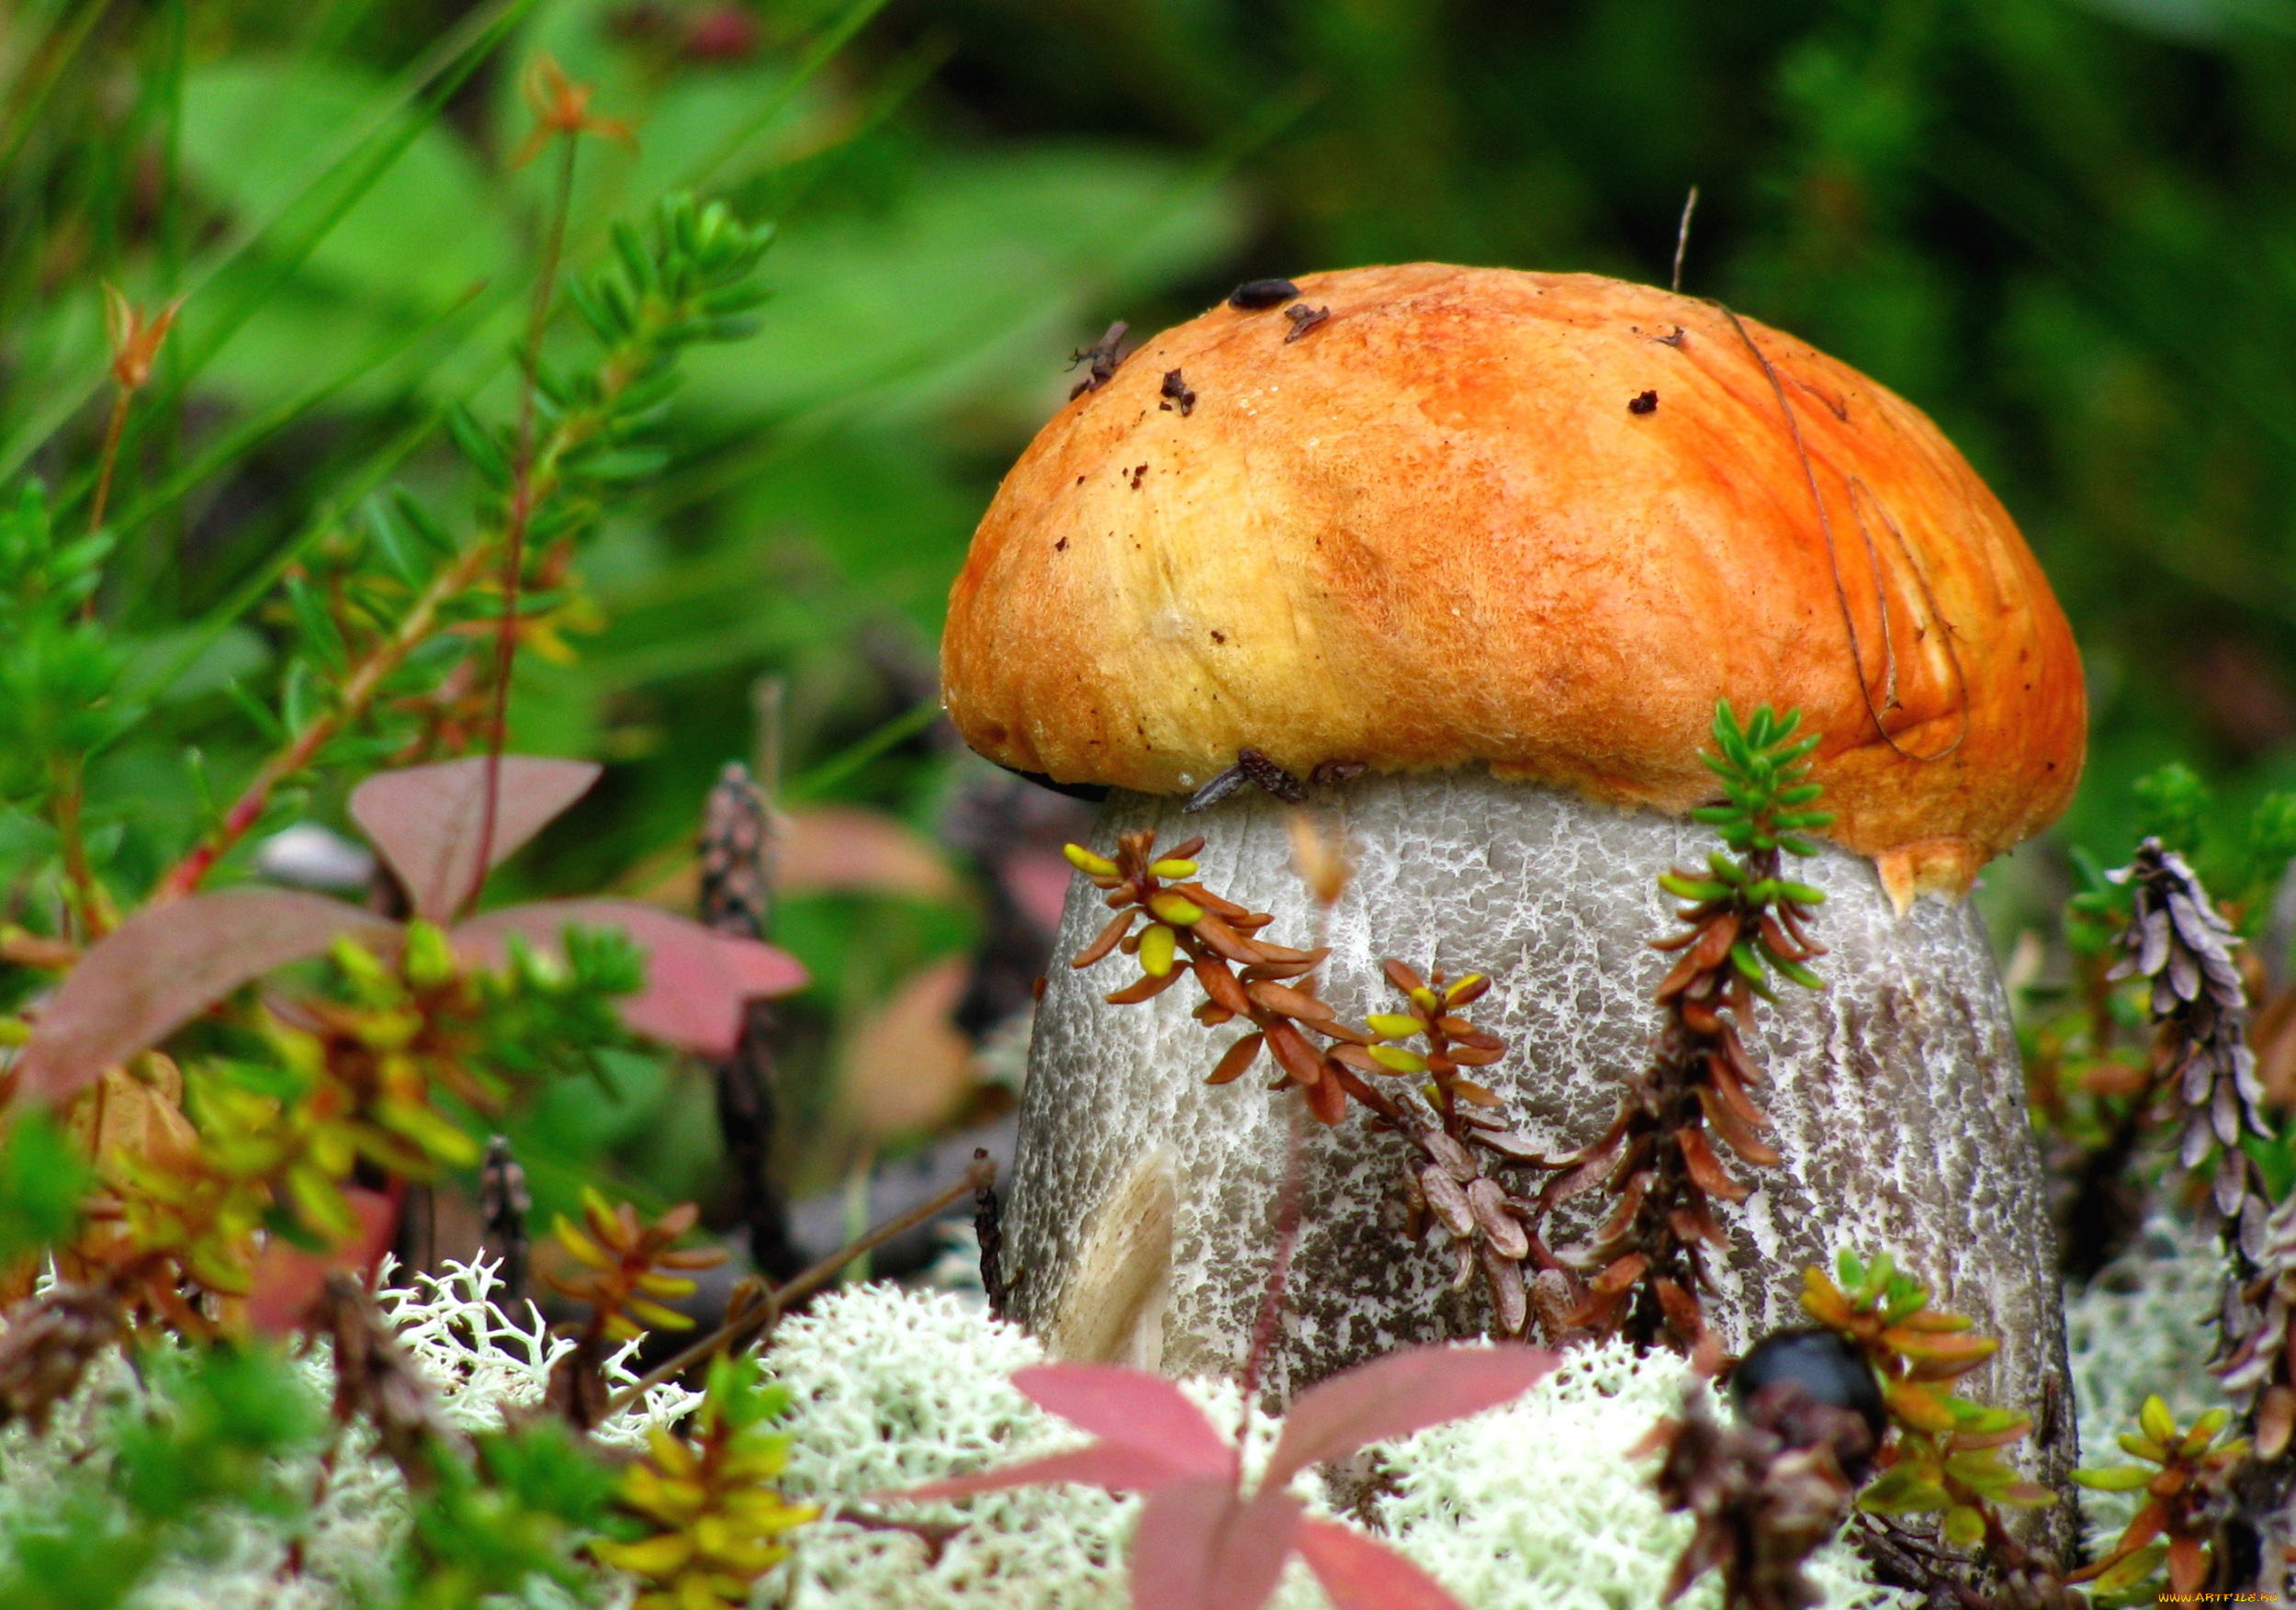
{"type": "Point", "coordinates": [1516, 606]}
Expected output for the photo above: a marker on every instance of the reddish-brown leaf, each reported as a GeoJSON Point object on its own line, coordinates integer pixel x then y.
{"type": "Point", "coordinates": [1292, 1003]}
{"type": "Point", "coordinates": [1359, 1572]}
{"type": "Point", "coordinates": [1258, 971]}
{"type": "Point", "coordinates": [165, 966]}
{"type": "Point", "coordinates": [1210, 900]}
{"type": "Point", "coordinates": [1224, 941]}
{"type": "Point", "coordinates": [1500, 1228]}
{"type": "Point", "coordinates": [1622, 1213]}
{"type": "Point", "coordinates": [1447, 1201]}
{"type": "Point", "coordinates": [426, 820]}
{"type": "Point", "coordinates": [1733, 1129]}
{"type": "Point", "coordinates": [1118, 926]}
{"type": "Point", "coordinates": [1725, 1079]}
{"type": "Point", "coordinates": [1467, 995]}
{"type": "Point", "coordinates": [1147, 986]}
{"type": "Point", "coordinates": [1345, 1079]}
{"type": "Point", "coordinates": [1510, 1302]}
{"type": "Point", "coordinates": [1402, 978]}
{"type": "Point", "coordinates": [1917, 1406]}
{"type": "Point", "coordinates": [1713, 945]}
{"type": "Point", "coordinates": [1780, 945]}
{"type": "Point", "coordinates": [1292, 1052]}
{"type": "Point", "coordinates": [1395, 1395]}
{"type": "Point", "coordinates": [1477, 1057]}
{"type": "Point", "coordinates": [1618, 1277]}
{"type": "Point", "coordinates": [1706, 1169]}
{"type": "Point", "coordinates": [1506, 1142]}
{"type": "Point", "coordinates": [1221, 985]}
{"type": "Point", "coordinates": [2275, 1418]}
{"type": "Point", "coordinates": [1327, 1102]}
{"type": "Point", "coordinates": [1237, 1060]}
{"type": "Point", "coordinates": [1741, 1062]}
{"type": "Point", "coordinates": [1692, 1224]}
{"type": "Point", "coordinates": [287, 1278]}
{"type": "Point", "coordinates": [696, 981]}
{"type": "Point", "coordinates": [1681, 1310]}
{"type": "Point", "coordinates": [2188, 1565]}
{"type": "Point", "coordinates": [1468, 1091]}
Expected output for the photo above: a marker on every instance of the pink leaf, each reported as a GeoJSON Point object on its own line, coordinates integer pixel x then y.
{"type": "Point", "coordinates": [831, 848]}
{"type": "Point", "coordinates": [1118, 1469]}
{"type": "Point", "coordinates": [1397, 1395]}
{"type": "Point", "coordinates": [287, 1278]}
{"type": "Point", "coordinates": [1359, 1572]}
{"type": "Point", "coordinates": [1133, 1408]}
{"type": "Point", "coordinates": [1038, 881]}
{"type": "Point", "coordinates": [165, 966]}
{"type": "Point", "coordinates": [426, 820]}
{"type": "Point", "coordinates": [1196, 1548]}
{"type": "Point", "coordinates": [695, 980]}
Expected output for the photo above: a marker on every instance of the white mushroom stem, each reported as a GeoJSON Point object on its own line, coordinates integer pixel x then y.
{"type": "Point", "coordinates": [1140, 1220]}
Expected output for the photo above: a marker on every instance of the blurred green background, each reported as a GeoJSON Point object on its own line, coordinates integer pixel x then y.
{"type": "Point", "coordinates": [2066, 228]}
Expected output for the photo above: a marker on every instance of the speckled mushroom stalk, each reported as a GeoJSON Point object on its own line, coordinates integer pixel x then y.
{"type": "Point", "coordinates": [1143, 1203]}
{"type": "Point", "coordinates": [1493, 544]}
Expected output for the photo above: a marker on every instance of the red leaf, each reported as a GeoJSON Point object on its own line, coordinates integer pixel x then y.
{"type": "Point", "coordinates": [1359, 1572]}
{"type": "Point", "coordinates": [167, 964]}
{"type": "Point", "coordinates": [426, 820]}
{"type": "Point", "coordinates": [1397, 1395]}
{"type": "Point", "coordinates": [695, 980]}
{"type": "Point", "coordinates": [1131, 1409]}
{"type": "Point", "coordinates": [1196, 1548]}
{"type": "Point", "coordinates": [288, 1277]}
{"type": "Point", "coordinates": [1118, 1469]}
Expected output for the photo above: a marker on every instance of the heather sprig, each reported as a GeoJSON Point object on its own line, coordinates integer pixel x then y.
{"type": "Point", "coordinates": [389, 617]}
{"type": "Point", "coordinates": [1943, 1455]}
{"type": "Point", "coordinates": [625, 1267]}
{"type": "Point", "coordinates": [714, 1518]}
{"type": "Point", "coordinates": [1747, 925]}
{"type": "Point", "coordinates": [1457, 1140]}
{"type": "Point", "coordinates": [2184, 1477]}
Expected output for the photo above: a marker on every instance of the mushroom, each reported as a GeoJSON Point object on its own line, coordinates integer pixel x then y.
{"type": "Point", "coordinates": [1499, 541]}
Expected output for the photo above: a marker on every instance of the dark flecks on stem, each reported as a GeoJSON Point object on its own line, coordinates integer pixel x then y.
{"type": "Point", "coordinates": [1461, 1144]}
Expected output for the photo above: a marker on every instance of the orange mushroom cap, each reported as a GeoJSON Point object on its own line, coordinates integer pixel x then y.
{"type": "Point", "coordinates": [1537, 521]}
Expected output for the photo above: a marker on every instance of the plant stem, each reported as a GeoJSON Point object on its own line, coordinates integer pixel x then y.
{"type": "Point", "coordinates": [761, 1315]}
{"type": "Point", "coordinates": [117, 422]}
{"type": "Point", "coordinates": [522, 512]}
{"type": "Point", "coordinates": [1279, 1269]}
{"type": "Point", "coordinates": [358, 692]}
{"type": "Point", "coordinates": [87, 896]}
